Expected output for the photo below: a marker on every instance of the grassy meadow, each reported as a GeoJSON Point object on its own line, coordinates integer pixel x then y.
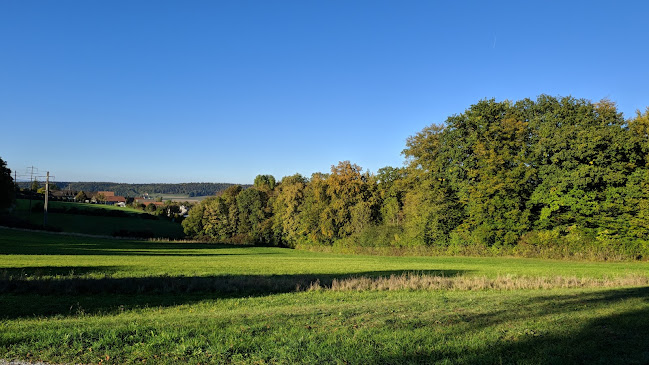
{"type": "Point", "coordinates": [136, 220]}
{"type": "Point", "coordinates": [67, 299]}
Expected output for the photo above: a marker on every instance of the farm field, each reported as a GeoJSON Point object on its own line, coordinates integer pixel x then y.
{"type": "Point", "coordinates": [66, 299]}
{"type": "Point", "coordinates": [96, 224]}
{"type": "Point", "coordinates": [180, 197]}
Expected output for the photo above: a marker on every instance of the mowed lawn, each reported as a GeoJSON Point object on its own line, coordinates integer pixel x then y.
{"type": "Point", "coordinates": [66, 299]}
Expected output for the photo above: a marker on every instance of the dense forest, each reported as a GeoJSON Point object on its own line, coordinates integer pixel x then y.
{"type": "Point", "coordinates": [134, 190]}
{"type": "Point", "coordinates": [551, 176]}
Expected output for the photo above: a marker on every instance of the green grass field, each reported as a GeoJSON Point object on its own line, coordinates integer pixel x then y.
{"type": "Point", "coordinates": [67, 299]}
{"type": "Point", "coordinates": [99, 225]}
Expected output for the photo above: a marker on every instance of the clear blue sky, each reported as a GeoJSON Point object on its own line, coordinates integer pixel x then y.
{"type": "Point", "coordinates": [220, 91]}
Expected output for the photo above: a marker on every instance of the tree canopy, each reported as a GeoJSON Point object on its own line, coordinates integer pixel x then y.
{"type": "Point", "coordinates": [7, 187]}
{"type": "Point", "coordinates": [551, 171]}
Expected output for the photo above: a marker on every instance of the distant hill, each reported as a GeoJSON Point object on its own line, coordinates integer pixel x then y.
{"type": "Point", "coordinates": [133, 190]}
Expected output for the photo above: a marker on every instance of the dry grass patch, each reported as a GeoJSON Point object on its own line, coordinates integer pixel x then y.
{"type": "Point", "coordinates": [19, 282]}
{"type": "Point", "coordinates": [415, 281]}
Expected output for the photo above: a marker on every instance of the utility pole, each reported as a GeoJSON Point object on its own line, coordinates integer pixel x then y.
{"type": "Point", "coordinates": [31, 180]}
{"type": "Point", "coordinates": [47, 194]}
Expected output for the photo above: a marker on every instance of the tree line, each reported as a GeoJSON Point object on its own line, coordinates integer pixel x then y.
{"type": "Point", "coordinates": [123, 189]}
{"type": "Point", "coordinates": [557, 173]}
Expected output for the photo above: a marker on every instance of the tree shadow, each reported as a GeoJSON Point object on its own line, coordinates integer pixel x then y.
{"type": "Point", "coordinates": [49, 296]}
{"type": "Point", "coordinates": [50, 271]}
{"type": "Point", "coordinates": [146, 249]}
{"type": "Point", "coordinates": [620, 338]}
{"type": "Point", "coordinates": [40, 243]}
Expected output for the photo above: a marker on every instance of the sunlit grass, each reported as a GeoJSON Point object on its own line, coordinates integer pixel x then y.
{"type": "Point", "coordinates": [126, 258]}
{"type": "Point", "coordinates": [67, 299]}
{"type": "Point", "coordinates": [557, 326]}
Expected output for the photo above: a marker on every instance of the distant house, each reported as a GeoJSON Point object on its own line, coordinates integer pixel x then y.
{"type": "Point", "coordinates": [141, 200]}
{"type": "Point", "coordinates": [115, 199]}
{"type": "Point", "coordinates": [109, 198]}
{"type": "Point", "coordinates": [65, 195]}
{"type": "Point", "coordinates": [147, 201]}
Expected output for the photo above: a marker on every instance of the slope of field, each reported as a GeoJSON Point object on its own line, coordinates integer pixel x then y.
{"type": "Point", "coordinates": [88, 300]}
{"type": "Point", "coordinates": [91, 223]}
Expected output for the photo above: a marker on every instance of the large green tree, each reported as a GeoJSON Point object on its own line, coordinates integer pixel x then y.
{"type": "Point", "coordinates": [486, 149]}
{"type": "Point", "coordinates": [350, 207]}
{"type": "Point", "coordinates": [391, 192]}
{"type": "Point", "coordinates": [638, 185]}
{"type": "Point", "coordinates": [265, 182]}
{"type": "Point", "coordinates": [314, 216]}
{"type": "Point", "coordinates": [286, 209]}
{"type": "Point", "coordinates": [194, 225]}
{"type": "Point", "coordinates": [477, 167]}
{"type": "Point", "coordinates": [545, 164]}
{"type": "Point", "coordinates": [584, 155]}
{"type": "Point", "coordinates": [251, 204]}
{"type": "Point", "coordinates": [7, 187]}
{"type": "Point", "coordinates": [221, 214]}
{"type": "Point", "coordinates": [432, 208]}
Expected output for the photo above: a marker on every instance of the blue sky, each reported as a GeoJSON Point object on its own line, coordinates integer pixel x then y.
{"type": "Point", "coordinates": [220, 91]}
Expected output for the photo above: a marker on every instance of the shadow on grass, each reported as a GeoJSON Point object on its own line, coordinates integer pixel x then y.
{"type": "Point", "coordinates": [23, 296]}
{"type": "Point", "coordinates": [15, 242]}
{"type": "Point", "coordinates": [48, 271]}
{"type": "Point", "coordinates": [157, 249]}
{"type": "Point", "coordinates": [620, 338]}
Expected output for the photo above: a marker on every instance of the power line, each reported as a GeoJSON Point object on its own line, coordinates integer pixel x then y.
{"type": "Point", "coordinates": [47, 195]}
{"type": "Point", "coordinates": [31, 182]}
{"type": "Point", "coordinates": [33, 172]}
